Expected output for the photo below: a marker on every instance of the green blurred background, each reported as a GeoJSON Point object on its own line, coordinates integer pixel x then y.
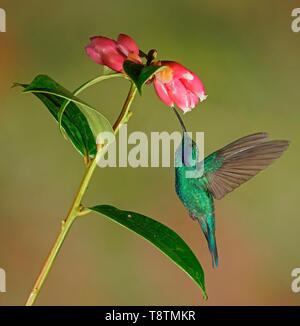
{"type": "Point", "coordinates": [247, 56]}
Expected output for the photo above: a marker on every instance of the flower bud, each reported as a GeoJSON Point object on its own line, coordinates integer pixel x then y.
{"type": "Point", "coordinates": [111, 53]}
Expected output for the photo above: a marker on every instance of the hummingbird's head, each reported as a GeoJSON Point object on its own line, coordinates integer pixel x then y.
{"type": "Point", "coordinates": [187, 153]}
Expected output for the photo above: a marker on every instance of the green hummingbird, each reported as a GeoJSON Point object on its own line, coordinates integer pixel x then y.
{"type": "Point", "coordinates": [224, 170]}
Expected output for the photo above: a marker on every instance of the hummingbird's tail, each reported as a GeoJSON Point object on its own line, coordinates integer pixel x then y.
{"type": "Point", "coordinates": [207, 224]}
{"type": "Point", "coordinates": [212, 245]}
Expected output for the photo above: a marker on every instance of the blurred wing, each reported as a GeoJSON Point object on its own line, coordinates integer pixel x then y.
{"type": "Point", "coordinates": [239, 161]}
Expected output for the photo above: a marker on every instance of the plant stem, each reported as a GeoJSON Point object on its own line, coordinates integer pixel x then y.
{"type": "Point", "coordinates": [76, 207]}
{"type": "Point", "coordinates": [95, 81]}
{"type": "Point", "coordinates": [125, 110]}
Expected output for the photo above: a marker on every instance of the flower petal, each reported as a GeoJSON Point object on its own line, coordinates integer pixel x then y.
{"type": "Point", "coordinates": [162, 92]}
{"type": "Point", "coordinates": [193, 100]}
{"type": "Point", "coordinates": [178, 94]}
{"type": "Point", "coordinates": [193, 83]}
{"type": "Point", "coordinates": [177, 69]}
{"type": "Point", "coordinates": [114, 61]}
{"type": "Point", "coordinates": [127, 45]}
{"type": "Point", "coordinates": [93, 54]}
{"type": "Point", "coordinates": [104, 51]}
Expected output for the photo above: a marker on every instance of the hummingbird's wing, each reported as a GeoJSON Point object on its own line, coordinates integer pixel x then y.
{"type": "Point", "coordinates": [239, 161]}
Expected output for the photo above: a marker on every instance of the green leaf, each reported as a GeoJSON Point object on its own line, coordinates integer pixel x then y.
{"type": "Point", "coordinates": [84, 86]}
{"type": "Point", "coordinates": [97, 122]}
{"type": "Point", "coordinates": [139, 73]}
{"type": "Point", "coordinates": [133, 70]}
{"type": "Point", "coordinates": [147, 73]}
{"type": "Point", "coordinates": [80, 122]}
{"type": "Point", "coordinates": [166, 240]}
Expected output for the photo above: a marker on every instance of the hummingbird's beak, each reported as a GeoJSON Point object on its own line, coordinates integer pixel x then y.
{"type": "Point", "coordinates": [179, 119]}
{"type": "Point", "coordinates": [184, 135]}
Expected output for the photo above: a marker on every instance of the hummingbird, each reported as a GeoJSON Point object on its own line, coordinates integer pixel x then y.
{"type": "Point", "coordinates": [222, 171]}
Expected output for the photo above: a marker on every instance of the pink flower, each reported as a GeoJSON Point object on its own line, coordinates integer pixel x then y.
{"type": "Point", "coordinates": [178, 85]}
{"type": "Point", "coordinates": [111, 53]}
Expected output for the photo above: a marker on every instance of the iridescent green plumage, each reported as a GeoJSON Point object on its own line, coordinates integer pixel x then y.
{"type": "Point", "coordinates": [224, 170]}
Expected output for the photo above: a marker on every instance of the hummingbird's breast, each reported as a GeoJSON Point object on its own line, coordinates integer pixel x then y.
{"type": "Point", "coordinates": [194, 196]}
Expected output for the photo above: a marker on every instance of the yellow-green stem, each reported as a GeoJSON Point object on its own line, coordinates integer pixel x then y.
{"type": "Point", "coordinates": [125, 110]}
{"type": "Point", "coordinates": [76, 208]}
